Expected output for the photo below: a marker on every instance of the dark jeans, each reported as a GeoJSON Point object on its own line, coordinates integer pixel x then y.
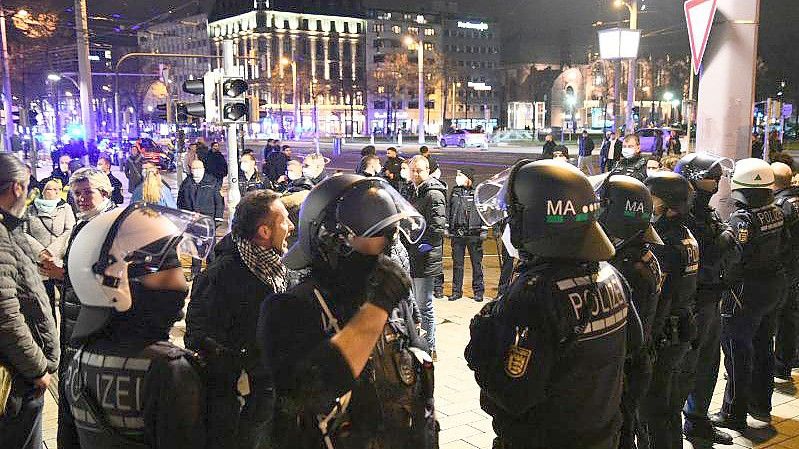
{"type": "Point", "coordinates": [746, 339]}
{"type": "Point", "coordinates": [230, 425]}
{"type": "Point", "coordinates": [786, 334]}
{"type": "Point", "coordinates": [475, 246]}
{"type": "Point", "coordinates": [637, 376]}
{"type": "Point", "coordinates": [23, 430]}
{"type": "Point", "coordinates": [67, 432]}
{"type": "Point", "coordinates": [701, 368]}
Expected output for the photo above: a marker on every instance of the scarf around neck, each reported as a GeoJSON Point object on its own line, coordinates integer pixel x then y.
{"type": "Point", "coordinates": [264, 263]}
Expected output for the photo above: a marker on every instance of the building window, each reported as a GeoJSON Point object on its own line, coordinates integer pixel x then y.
{"type": "Point", "coordinates": [413, 104]}
{"type": "Point", "coordinates": [429, 46]}
{"type": "Point", "coordinates": [379, 27]}
{"type": "Point", "coordinates": [413, 30]}
{"type": "Point", "coordinates": [346, 27]}
{"type": "Point", "coordinates": [396, 29]}
{"type": "Point", "coordinates": [379, 104]}
{"type": "Point", "coordinates": [429, 32]}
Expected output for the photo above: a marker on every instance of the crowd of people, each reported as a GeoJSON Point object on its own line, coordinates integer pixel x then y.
{"type": "Point", "coordinates": [311, 323]}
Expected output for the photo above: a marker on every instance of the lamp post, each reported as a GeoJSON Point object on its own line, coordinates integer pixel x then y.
{"type": "Point", "coordinates": [668, 97]}
{"type": "Point", "coordinates": [285, 62]}
{"type": "Point", "coordinates": [616, 44]}
{"type": "Point", "coordinates": [631, 5]}
{"type": "Point", "coordinates": [409, 41]}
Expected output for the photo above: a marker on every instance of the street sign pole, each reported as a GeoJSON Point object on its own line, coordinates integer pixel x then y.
{"type": "Point", "coordinates": [233, 194]}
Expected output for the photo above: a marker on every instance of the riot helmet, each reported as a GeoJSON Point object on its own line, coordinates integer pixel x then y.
{"type": "Point", "coordinates": [124, 244]}
{"type": "Point", "coordinates": [626, 211]}
{"type": "Point", "coordinates": [700, 167]}
{"type": "Point", "coordinates": [551, 209]}
{"type": "Point", "coordinates": [347, 206]}
{"type": "Point", "coordinates": [674, 190]}
{"type": "Point", "coordinates": [751, 182]}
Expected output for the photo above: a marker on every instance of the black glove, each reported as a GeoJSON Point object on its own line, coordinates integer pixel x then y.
{"type": "Point", "coordinates": [388, 285]}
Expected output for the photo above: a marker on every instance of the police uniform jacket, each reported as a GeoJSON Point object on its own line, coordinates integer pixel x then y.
{"type": "Point", "coordinates": [679, 261]}
{"type": "Point", "coordinates": [788, 201]}
{"type": "Point", "coordinates": [135, 394]}
{"type": "Point", "coordinates": [641, 269]}
{"type": "Point", "coordinates": [549, 356]}
{"type": "Point", "coordinates": [463, 217]}
{"type": "Point", "coordinates": [708, 228]}
{"type": "Point", "coordinates": [758, 236]}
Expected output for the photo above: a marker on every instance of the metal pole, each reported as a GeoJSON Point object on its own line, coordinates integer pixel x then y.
{"type": "Point", "coordinates": [234, 196]}
{"type": "Point", "coordinates": [85, 69]}
{"type": "Point", "coordinates": [691, 109]}
{"type": "Point", "coordinates": [617, 96]}
{"type": "Point", "coordinates": [57, 109]}
{"type": "Point", "coordinates": [632, 72]}
{"type": "Point", "coordinates": [7, 103]}
{"type": "Point", "coordinates": [422, 96]}
{"type": "Point", "coordinates": [295, 100]}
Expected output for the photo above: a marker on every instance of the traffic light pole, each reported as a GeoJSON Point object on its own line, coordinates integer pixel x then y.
{"type": "Point", "coordinates": [233, 194]}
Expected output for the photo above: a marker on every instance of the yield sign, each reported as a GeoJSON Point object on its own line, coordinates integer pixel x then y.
{"type": "Point", "coordinates": [699, 16]}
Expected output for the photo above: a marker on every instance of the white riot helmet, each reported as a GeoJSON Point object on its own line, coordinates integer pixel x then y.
{"type": "Point", "coordinates": [124, 244]}
{"type": "Point", "coordinates": [751, 182]}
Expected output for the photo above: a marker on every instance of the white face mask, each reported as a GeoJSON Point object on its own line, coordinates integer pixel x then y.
{"type": "Point", "coordinates": [628, 152]}
{"type": "Point", "coordinates": [405, 173]}
{"type": "Point", "coordinates": [461, 180]}
{"type": "Point", "coordinates": [247, 167]}
{"type": "Point", "coordinates": [651, 171]}
{"type": "Point", "coordinates": [309, 172]}
{"type": "Point", "coordinates": [197, 174]}
{"type": "Point", "coordinates": [294, 175]}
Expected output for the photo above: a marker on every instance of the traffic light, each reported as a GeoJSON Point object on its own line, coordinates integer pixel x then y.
{"type": "Point", "coordinates": [234, 100]}
{"type": "Point", "coordinates": [636, 113]}
{"type": "Point", "coordinates": [181, 113]}
{"type": "Point", "coordinates": [206, 109]}
{"type": "Point", "coordinates": [33, 119]}
{"type": "Point", "coordinates": [161, 111]}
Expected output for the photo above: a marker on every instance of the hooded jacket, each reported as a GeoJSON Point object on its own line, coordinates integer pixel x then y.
{"type": "Point", "coordinates": [202, 197]}
{"type": "Point", "coordinates": [430, 199]}
{"type": "Point", "coordinates": [28, 341]}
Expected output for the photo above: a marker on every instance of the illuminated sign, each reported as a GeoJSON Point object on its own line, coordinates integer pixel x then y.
{"type": "Point", "coordinates": [479, 86]}
{"type": "Point", "coordinates": [482, 26]}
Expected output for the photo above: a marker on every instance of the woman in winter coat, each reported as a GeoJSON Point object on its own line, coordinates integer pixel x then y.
{"type": "Point", "coordinates": [154, 189]}
{"type": "Point", "coordinates": [48, 224]}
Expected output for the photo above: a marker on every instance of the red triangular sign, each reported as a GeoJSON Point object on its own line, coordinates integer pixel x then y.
{"type": "Point", "coordinates": [699, 17]}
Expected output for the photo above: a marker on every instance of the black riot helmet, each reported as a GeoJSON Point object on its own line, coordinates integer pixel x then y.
{"type": "Point", "coordinates": [696, 166]}
{"type": "Point", "coordinates": [347, 206]}
{"type": "Point", "coordinates": [552, 212]}
{"type": "Point", "coordinates": [675, 191]}
{"type": "Point", "coordinates": [626, 210]}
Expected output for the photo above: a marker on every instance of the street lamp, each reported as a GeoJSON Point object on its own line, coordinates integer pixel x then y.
{"type": "Point", "coordinates": [616, 44]}
{"type": "Point", "coordinates": [632, 6]}
{"type": "Point", "coordinates": [285, 62]}
{"type": "Point", "coordinates": [409, 41]}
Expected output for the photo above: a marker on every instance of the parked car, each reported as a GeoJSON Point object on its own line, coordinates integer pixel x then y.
{"type": "Point", "coordinates": [649, 138]}
{"type": "Point", "coordinates": [463, 138]}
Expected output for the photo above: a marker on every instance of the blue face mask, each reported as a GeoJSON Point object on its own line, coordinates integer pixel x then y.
{"type": "Point", "coordinates": [46, 206]}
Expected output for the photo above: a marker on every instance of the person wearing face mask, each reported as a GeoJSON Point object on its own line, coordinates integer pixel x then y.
{"type": "Point", "coordinates": [199, 193]}
{"type": "Point", "coordinates": [249, 178]}
{"type": "Point", "coordinates": [787, 199]}
{"type": "Point", "coordinates": [348, 369]}
{"type": "Point", "coordinates": [48, 224]}
{"type": "Point", "coordinates": [223, 313]}
{"type": "Point", "coordinates": [755, 273]}
{"type": "Point", "coordinates": [313, 168]}
{"type": "Point", "coordinates": [701, 366]}
{"type": "Point", "coordinates": [146, 392]}
{"type": "Point", "coordinates": [28, 336]}
{"type": "Point", "coordinates": [631, 162]}
{"type": "Point", "coordinates": [62, 172]}
{"type": "Point", "coordinates": [652, 167]}
{"type": "Point", "coordinates": [674, 326]}
{"type": "Point", "coordinates": [625, 216]}
{"type": "Point", "coordinates": [104, 165]}
{"type": "Point", "coordinates": [372, 166]}
{"type": "Point", "coordinates": [466, 230]}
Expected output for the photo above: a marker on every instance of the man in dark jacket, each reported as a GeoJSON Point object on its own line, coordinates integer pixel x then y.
{"type": "Point", "coordinates": [275, 165]}
{"type": "Point", "coordinates": [133, 167]}
{"type": "Point", "coordinates": [200, 193]}
{"type": "Point", "coordinates": [466, 230]}
{"type": "Point", "coordinates": [215, 164]}
{"type": "Point", "coordinates": [393, 167]}
{"type": "Point", "coordinates": [249, 178]}
{"type": "Point", "coordinates": [62, 172]}
{"type": "Point", "coordinates": [585, 159]}
{"type": "Point", "coordinates": [631, 163]}
{"type": "Point", "coordinates": [104, 165]}
{"type": "Point", "coordinates": [28, 341]}
{"type": "Point", "coordinates": [548, 151]}
{"type": "Point", "coordinates": [426, 256]}
{"type": "Point", "coordinates": [223, 314]}
{"type": "Point", "coordinates": [610, 152]}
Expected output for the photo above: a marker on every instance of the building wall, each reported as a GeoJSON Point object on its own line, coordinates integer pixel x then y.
{"type": "Point", "coordinates": [327, 52]}
{"type": "Point", "coordinates": [388, 112]}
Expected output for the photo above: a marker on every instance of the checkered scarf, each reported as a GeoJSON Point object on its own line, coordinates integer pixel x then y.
{"type": "Point", "coordinates": [264, 263]}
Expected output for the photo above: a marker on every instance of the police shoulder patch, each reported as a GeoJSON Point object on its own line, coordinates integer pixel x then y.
{"type": "Point", "coordinates": [518, 357]}
{"type": "Point", "coordinates": [743, 232]}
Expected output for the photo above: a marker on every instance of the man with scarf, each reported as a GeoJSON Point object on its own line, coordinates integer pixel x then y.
{"type": "Point", "coordinates": [223, 313]}
{"type": "Point", "coordinates": [91, 190]}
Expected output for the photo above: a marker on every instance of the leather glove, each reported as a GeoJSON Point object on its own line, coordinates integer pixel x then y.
{"type": "Point", "coordinates": [388, 285]}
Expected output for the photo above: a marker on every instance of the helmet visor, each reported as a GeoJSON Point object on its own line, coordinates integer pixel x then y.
{"type": "Point", "coordinates": [189, 233]}
{"type": "Point", "coordinates": [490, 198]}
{"type": "Point", "coordinates": [381, 207]}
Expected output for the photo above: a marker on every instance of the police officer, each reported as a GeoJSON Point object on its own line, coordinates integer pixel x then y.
{"type": "Point", "coordinates": [128, 386]}
{"type": "Point", "coordinates": [674, 326]}
{"type": "Point", "coordinates": [549, 354]}
{"type": "Point", "coordinates": [787, 199]}
{"type": "Point", "coordinates": [344, 376]}
{"type": "Point", "coordinates": [755, 275]}
{"type": "Point", "coordinates": [701, 367]}
{"type": "Point", "coordinates": [625, 217]}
